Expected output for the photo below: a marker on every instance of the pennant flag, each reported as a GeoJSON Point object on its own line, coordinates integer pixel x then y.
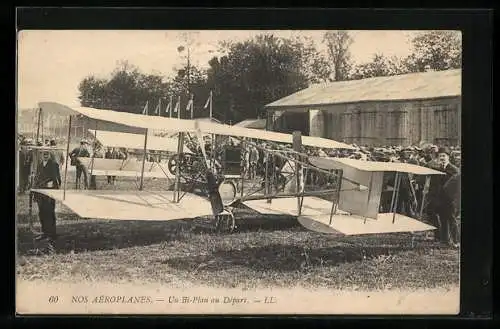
{"type": "Point", "coordinates": [145, 110]}
{"type": "Point", "coordinates": [169, 106]}
{"type": "Point", "coordinates": [189, 105]}
{"type": "Point", "coordinates": [178, 105]}
{"type": "Point", "coordinates": [158, 107]}
{"type": "Point", "coordinates": [208, 100]}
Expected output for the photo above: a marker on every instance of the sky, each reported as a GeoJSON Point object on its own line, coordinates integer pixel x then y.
{"type": "Point", "coordinates": [51, 64]}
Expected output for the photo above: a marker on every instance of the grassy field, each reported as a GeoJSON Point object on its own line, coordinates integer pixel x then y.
{"type": "Point", "coordinates": [263, 252]}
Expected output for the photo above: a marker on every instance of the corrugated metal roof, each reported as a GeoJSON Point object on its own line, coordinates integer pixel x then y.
{"type": "Point", "coordinates": [399, 87]}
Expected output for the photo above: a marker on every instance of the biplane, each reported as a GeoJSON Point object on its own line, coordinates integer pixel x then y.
{"type": "Point", "coordinates": [348, 203]}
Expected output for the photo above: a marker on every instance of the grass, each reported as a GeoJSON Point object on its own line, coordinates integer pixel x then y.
{"type": "Point", "coordinates": [272, 251]}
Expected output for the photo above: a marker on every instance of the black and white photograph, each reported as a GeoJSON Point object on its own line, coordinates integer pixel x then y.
{"type": "Point", "coordinates": [238, 171]}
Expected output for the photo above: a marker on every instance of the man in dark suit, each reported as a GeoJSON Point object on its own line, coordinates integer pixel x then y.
{"type": "Point", "coordinates": [25, 160]}
{"type": "Point", "coordinates": [48, 177]}
{"type": "Point", "coordinates": [80, 152]}
{"type": "Point", "coordinates": [444, 198]}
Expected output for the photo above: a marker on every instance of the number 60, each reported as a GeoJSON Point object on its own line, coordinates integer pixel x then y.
{"type": "Point", "coordinates": [53, 299]}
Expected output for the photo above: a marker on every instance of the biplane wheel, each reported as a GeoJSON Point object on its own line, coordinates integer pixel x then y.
{"type": "Point", "coordinates": [280, 186]}
{"type": "Point", "coordinates": [225, 222]}
{"type": "Point", "coordinates": [173, 162]}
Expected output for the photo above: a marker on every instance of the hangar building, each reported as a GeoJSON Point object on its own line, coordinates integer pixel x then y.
{"type": "Point", "coordinates": [394, 110]}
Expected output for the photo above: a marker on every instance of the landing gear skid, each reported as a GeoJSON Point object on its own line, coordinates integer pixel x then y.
{"type": "Point", "coordinates": [224, 222]}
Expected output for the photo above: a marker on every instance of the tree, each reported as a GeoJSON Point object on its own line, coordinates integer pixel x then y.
{"type": "Point", "coordinates": [178, 86]}
{"type": "Point", "coordinates": [314, 64]}
{"type": "Point", "coordinates": [126, 90]}
{"type": "Point", "coordinates": [437, 50]}
{"type": "Point", "coordinates": [249, 75]}
{"type": "Point", "coordinates": [380, 65]}
{"type": "Point", "coordinates": [122, 89]}
{"type": "Point", "coordinates": [254, 72]}
{"type": "Point", "coordinates": [92, 91]}
{"type": "Point", "coordinates": [338, 43]}
{"type": "Point", "coordinates": [221, 88]}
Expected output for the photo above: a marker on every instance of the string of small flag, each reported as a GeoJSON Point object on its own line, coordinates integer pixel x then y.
{"type": "Point", "coordinates": [176, 109]}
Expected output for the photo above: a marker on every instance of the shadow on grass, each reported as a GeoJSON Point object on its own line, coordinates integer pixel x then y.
{"type": "Point", "coordinates": [81, 235]}
{"type": "Point", "coordinates": [282, 257]}
{"type": "Point", "coordinates": [252, 223]}
{"type": "Point", "coordinates": [93, 235]}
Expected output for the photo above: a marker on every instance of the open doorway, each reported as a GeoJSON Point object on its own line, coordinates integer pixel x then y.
{"type": "Point", "coordinates": [288, 122]}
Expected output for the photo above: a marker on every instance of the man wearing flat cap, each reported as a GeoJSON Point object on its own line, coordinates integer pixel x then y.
{"type": "Point", "coordinates": [444, 198]}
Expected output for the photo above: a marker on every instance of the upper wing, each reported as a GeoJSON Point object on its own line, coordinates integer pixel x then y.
{"type": "Point", "coordinates": [124, 118]}
{"type": "Point", "coordinates": [338, 163]}
{"type": "Point", "coordinates": [227, 130]}
{"type": "Point", "coordinates": [182, 125]}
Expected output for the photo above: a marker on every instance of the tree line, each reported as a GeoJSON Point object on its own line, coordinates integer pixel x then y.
{"type": "Point", "coordinates": [257, 71]}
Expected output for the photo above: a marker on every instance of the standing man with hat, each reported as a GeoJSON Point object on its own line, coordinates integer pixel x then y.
{"type": "Point", "coordinates": [48, 177]}
{"type": "Point", "coordinates": [25, 161]}
{"type": "Point", "coordinates": [57, 155]}
{"type": "Point", "coordinates": [80, 152]}
{"type": "Point", "coordinates": [444, 198]}
{"type": "Point", "coordinates": [431, 157]}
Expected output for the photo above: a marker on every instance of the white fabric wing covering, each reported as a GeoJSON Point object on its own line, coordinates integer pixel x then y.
{"type": "Point", "coordinates": [182, 125]}
{"type": "Point", "coordinates": [316, 212]}
{"type": "Point", "coordinates": [138, 120]}
{"type": "Point", "coordinates": [124, 118]}
{"type": "Point", "coordinates": [336, 163]}
{"type": "Point", "coordinates": [222, 129]}
{"type": "Point", "coordinates": [130, 205]}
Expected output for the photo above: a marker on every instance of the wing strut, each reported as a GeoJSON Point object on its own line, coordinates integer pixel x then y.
{"type": "Point", "coordinates": [179, 155]}
{"type": "Point", "coordinates": [369, 194]}
{"type": "Point", "coordinates": [424, 194]}
{"type": "Point", "coordinates": [393, 192]}
{"type": "Point", "coordinates": [242, 165]}
{"type": "Point", "coordinates": [266, 174]}
{"type": "Point", "coordinates": [93, 153]}
{"type": "Point", "coordinates": [297, 145]}
{"type": "Point", "coordinates": [336, 197]}
{"type": "Point", "coordinates": [396, 193]}
{"type": "Point", "coordinates": [34, 166]}
{"type": "Point", "coordinates": [180, 145]}
{"type": "Point", "coordinates": [67, 157]}
{"type": "Point", "coordinates": [144, 158]}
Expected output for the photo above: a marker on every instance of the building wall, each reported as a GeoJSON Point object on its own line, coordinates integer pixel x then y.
{"type": "Point", "coordinates": [388, 123]}
{"type": "Point", "coordinates": [26, 121]}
